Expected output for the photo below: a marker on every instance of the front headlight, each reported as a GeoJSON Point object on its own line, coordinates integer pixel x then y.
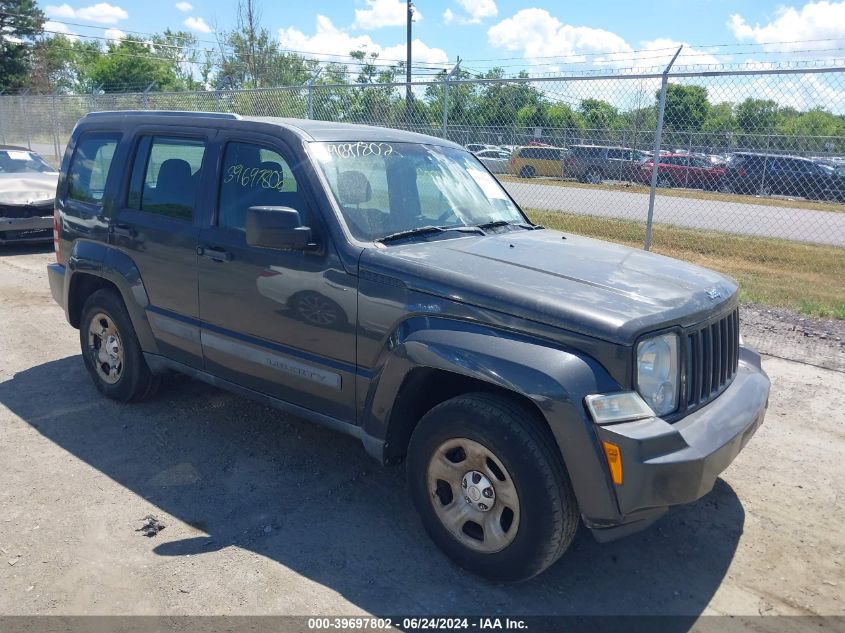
{"type": "Point", "coordinates": [658, 372]}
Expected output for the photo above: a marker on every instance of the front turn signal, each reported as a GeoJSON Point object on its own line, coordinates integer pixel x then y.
{"type": "Point", "coordinates": [614, 461]}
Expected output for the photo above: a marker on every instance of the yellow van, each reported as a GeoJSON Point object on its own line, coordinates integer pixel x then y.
{"type": "Point", "coordinates": [530, 161]}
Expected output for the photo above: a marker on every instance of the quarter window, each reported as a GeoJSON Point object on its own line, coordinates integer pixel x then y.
{"type": "Point", "coordinates": [90, 166]}
{"type": "Point", "coordinates": [255, 176]}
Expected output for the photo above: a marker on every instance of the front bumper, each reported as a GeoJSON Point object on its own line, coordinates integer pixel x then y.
{"type": "Point", "coordinates": [668, 464]}
{"type": "Point", "coordinates": [25, 230]}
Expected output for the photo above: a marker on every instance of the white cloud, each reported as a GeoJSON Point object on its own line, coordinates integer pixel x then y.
{"type": "Point", "coordinates": [197, 24]}
{"type": "Point", "coordinates": [448, 16]}
{"type": "Point", "coordinates": [538, 34]}
{"type": "Point", "coordinates": [479, 9]}
{"type": "Point", "coordinates": [57, 28]}
{"type": "Point", "coordinates": [814, 21]}
{"type": "Point", "coordinates": [184, 7]}
{"type": "Point", "coordinates": [114, 35]}
{"type": "Point", "coordinates": [329, 41]}
{"type": "Point", "coordinates": [60, 11]}
{"type": "Point", "coordinates": [102, 12]}
{"type": "Point", "coordinates": [381, 13]}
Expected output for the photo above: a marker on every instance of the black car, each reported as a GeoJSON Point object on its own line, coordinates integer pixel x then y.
{"type": "Point", "coordinates": [595, 163]}
{"type": "Point", "coordinates": [27, 195]}
{"type": "Point", "coordinates": [774, 174]}
{"type": "Point", "coordinates": [384, 284]}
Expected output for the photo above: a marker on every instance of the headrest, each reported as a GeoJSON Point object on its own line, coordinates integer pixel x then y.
{"type": "Point", "coordinates": [353, 187]}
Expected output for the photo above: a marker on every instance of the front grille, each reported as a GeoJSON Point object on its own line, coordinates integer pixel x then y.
{"type": "Point", "coordinates": [712, 357]}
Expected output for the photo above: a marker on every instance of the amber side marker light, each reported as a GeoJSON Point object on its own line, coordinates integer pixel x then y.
{"type": "Point", "coordinates": [614, 461]}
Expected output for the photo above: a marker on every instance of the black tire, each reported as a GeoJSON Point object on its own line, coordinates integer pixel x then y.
{"type": "Point", "coordinates": [664, 182]}
{"type": "Point", "coordinates": [527, 172]}
{"type": "Point", "coordinates": [135, 381]}
{"type": "Point", "coordinates": [518, 438]}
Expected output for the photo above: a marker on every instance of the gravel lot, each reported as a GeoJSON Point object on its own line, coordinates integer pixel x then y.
{"type": "Point", "coordinates": [265, 514]}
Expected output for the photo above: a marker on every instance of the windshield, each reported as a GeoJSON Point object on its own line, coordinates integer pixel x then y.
{"type": "Point", "coordinates": [20, 161]}
{"type": "Point", "coordinates": [388, 188]}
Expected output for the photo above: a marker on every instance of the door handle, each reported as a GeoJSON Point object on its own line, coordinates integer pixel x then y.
{"type": "Point", "coordinates": [123, 230]}
{"type": "Point", "coordinates": [217, 254]}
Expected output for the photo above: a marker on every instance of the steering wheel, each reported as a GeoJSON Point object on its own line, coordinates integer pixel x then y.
{"type": "Point", "coordinates": [447, 214]}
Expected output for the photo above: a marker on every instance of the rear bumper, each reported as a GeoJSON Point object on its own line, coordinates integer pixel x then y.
{"type": "Point", "coordinates": [24, 230]}
{"type": "Point", "coordinates": [668, 464]}
{"type": "Point", "coordinates": [56, 277]}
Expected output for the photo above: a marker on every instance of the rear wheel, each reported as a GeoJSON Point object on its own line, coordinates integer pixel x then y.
{"type": "Point", "coordinates": [527, 172]}
{"type": "Point", "coordinates": [663, 181]}
{"type": "Point", "coordinates": [489, 484]}
{"type": "Point", "coordinates": [111, 351]}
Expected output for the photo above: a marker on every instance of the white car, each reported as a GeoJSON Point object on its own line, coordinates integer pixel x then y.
{"type": "Point", "coordinates": [27, 196]}
{"type": "Point", "coordinates": [496, 160]}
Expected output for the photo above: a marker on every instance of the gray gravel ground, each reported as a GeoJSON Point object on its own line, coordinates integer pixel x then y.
{"type": "Point", "coordinates": [265, 514]}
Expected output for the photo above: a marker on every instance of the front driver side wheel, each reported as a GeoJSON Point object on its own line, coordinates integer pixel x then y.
{"type": "Point", "coordinates": [490, 486]}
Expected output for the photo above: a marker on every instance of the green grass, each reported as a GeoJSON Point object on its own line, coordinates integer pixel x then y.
{"type": "Point", "coordinates": [698, 194]}
{"type": "Point", "coordinates": [808, 278]}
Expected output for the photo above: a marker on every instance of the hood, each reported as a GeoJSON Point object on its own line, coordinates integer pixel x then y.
{"type": "Point", "coordinates": [576, 283]}
{"type": "Point", "coordinates": [28, 188]}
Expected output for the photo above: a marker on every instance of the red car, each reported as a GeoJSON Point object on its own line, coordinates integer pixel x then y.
{"type": "Point", "coordinates": [683, 170]}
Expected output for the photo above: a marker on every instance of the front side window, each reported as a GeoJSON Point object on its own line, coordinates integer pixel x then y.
{"type": "Point", "coordinates": [165, 176]}
{"type": "Point", "coordinates": [385, 188]}
{"type": "Point", "coordinates": [90, 166]}
{"type": "Point", "coordinates": [255, 176]}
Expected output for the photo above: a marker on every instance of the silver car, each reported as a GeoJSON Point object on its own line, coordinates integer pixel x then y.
{"type": "Point", "coordinates": [496, 160]}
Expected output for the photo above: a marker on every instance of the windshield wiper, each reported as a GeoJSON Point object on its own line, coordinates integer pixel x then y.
{"type": "Point", "coordinates": [498, 223]}
{"type": "Point", "coordinates": [428, 230]}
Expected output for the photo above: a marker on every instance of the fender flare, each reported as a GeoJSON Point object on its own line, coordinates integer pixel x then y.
{"type": "Point", "coordinates": [116, 267]}
{"type": "Point", "coordinates": [553, 377]}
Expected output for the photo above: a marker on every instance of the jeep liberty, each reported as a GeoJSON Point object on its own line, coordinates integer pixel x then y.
{"type": "Point", "coordinates": [384, 284]}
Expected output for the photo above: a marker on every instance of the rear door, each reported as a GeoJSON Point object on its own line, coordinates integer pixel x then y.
{"type": "Point", "coordinates": [157, 225]}
{"type": "Point", "coordinates": [278, 322]}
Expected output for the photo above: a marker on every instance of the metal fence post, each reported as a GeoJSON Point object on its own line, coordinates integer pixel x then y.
{"type": "Point", "coordinates": [446, 79]}
{"type": "Point", "coordinates": [310, 98]}
{"type": "Point", "coordinates": [658, 137]}
{"type": "Point", "coordinates": [2, 117]}
{"type": "Point", "coordinates": [146, 95]}
{"type": "Point", "coordinates": [56, 143]}
{"type": "Point", "coordinates": [26, 118]}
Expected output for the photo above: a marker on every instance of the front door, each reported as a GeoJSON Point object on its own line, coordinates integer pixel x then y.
{"type": "Point", "coordinates": [278, 322]}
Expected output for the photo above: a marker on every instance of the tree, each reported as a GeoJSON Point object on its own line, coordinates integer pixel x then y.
{"type": "Point", "coordinates": [20, 22]}
{"type": "Point", "coordinates": [686, 107]}
{"type": "Point", "coordinates": [131, 65]}
{"type": "Point", "coordinates": [757, 116]}
{"type": "Point", "coordinates": [599, 118]}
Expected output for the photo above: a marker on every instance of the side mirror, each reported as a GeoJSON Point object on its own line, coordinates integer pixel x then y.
{"type": "Point", "coordinates": [276, 227]}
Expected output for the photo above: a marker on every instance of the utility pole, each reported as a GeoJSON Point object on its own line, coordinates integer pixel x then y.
{"type": "Point", "coordinates": [408, 95]}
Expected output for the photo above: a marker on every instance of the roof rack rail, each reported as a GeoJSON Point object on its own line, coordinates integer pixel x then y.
{"type": "Point", "coordinates": [173, 113]}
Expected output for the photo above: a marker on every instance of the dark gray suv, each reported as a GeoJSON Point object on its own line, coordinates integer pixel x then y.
{"type": "Point", "coordinates": [384, 284]}
{"type": "Point", "coordinates": [596, 163]}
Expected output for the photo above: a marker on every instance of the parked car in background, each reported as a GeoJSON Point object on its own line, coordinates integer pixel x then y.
{"type": "Point", "coordinates": [595, 163]}
{"type": "Point", "coordinates": [532, 160]}
{"type": "Point", "coordinates": [496, 160]}
{"type": "Point", "coordinates": [479, 147]}
{"type": "Point", "coordinates": [27, 195]}
{"type": "Point", "coordinates": [774, 174]}
{"type": "Point", "coordinates": [683, 170]}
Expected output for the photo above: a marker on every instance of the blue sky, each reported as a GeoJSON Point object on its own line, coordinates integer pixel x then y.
{"type": "Point", "coordinates": [545, 35]}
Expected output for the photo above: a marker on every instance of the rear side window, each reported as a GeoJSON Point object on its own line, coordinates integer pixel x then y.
{"type": "Point", "coordinates": [89, 168]}
{"type": "Point", "coordinates": [255, 176]}
{"type": "Point", "coordinates": [165, 176]}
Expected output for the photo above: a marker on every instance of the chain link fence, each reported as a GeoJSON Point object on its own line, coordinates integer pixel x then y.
{"type": "Point", "coordinates": [746, 168]}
